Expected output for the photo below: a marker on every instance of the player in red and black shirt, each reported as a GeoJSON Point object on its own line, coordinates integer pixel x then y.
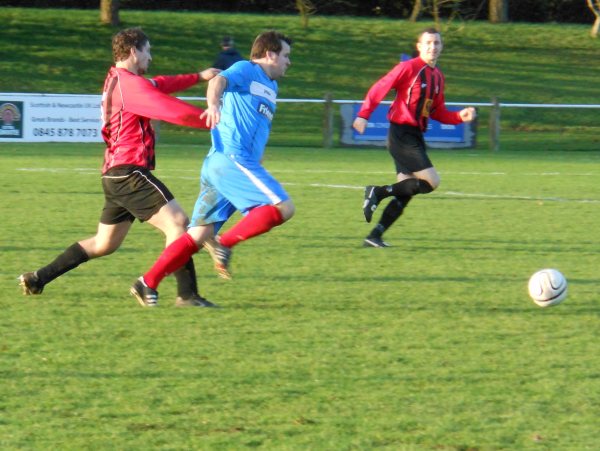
{"type": "Point", "coordinates": [129, 102]}
{"type": "Point", "coordinates": [419, 87]}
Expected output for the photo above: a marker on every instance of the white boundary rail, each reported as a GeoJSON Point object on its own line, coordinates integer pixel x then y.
{"type": "Point", "coordinates": [494, 120]}
{"type": "Point", "coordinates": [88, 105]}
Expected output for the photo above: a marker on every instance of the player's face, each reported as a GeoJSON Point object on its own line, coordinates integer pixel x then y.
{"type": "Point", "coordinates": [143, 58]}
{"type": "Point", "coordinates": [430, 47]}
{"type": "Point", "coordinates": [281, 61]}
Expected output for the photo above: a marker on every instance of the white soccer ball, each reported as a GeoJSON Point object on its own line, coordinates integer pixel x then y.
{"type": "Point", "coordinates": [548, 287]}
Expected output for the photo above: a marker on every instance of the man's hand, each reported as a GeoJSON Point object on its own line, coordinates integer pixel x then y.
{"type": "Point", "coordinates": [360, 125]}
{"type": "Point", "coordinates": [207, 74]}
{"type": "Point", "coordinates": [468, 114]}
{"type": "Point", "coordinates": [212, 115]}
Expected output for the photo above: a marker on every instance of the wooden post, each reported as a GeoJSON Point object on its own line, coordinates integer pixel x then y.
{"type": "Point", "coordinates": [495, 125]}
{"type": "Point", "coordinates": [328, 121]}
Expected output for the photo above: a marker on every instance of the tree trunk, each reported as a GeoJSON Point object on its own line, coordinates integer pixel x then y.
{"type": "Point", "coordinates": [305, 8]}
{"type": "Point", "coordinates": [416, 12]}
{"type": "Point", "coordinates": [498, 12]}
{"type": "Point", "coordinates": [594, 6]}
{"type": "Point", "coordinates": [595, 27]}
{"type": "Point", "coordinates": [109, 12]}
{"type": "Point", "coordinates": [435, 12]}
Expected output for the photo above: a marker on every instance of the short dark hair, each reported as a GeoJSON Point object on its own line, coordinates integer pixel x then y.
{"type": "Point", "coordinates": [227, 41]}
{"type": "Point", "coordinates": [125, 40]}
{"type": "Point", "coordinates": [268, 41]}
{"type": "Point", "coordinates": [429, 30]}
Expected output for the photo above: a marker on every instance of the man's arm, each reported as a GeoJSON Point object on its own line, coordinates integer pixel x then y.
{"type": "Point", "coordinates": [214, 92]}
{"type": "Point", "coordinates": [174, 83]}
{"type": "Point", "coordinates": [141, 97]}
{"type": "Point", "coordinates": [468, 114]}
{"type": "Point", "coordinates": [441, 114]}
{"type": "Point", "coordinates": [374, 97]}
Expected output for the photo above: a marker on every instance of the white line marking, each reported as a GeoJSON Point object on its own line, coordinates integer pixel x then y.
{"type": "Point", "coordinates": [96, 171]}
{"type": "Point", "coordinates": [509, 197]}
{"type": "Point", "coordinates": [325, 171]}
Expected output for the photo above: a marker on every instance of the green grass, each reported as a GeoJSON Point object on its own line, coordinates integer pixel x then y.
{"type": "Point", "coordinates": [321, 344]}
{"type": "Point", "coordinates": [432, 344]}
{"type": "Point", "coordinates": [60, 51]}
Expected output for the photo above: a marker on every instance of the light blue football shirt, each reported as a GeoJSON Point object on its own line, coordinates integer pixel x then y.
{"type": "Point", "coordinates": [247, 111]}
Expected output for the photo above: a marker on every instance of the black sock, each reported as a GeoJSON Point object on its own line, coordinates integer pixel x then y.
{"type": "Point", "coordinates": [187, 286]}
{"type": "Point", "coordinates": [405, 188]}
{"type": "Point", "coordinates": [71, 258]}
{"type": "Point", "coordinates": [424, 187]}
{"type": "Point", "coordinates": [392, 212]}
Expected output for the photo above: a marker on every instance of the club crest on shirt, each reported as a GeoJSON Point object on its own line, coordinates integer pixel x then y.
{"type": "Point", "coordinates": [266, 111]}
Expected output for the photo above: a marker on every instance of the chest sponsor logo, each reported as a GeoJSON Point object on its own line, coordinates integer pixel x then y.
{"type": "Point", "coordinates": [426, 108]}
{"type": "Point", "coordinates": [266, 111]}
{"type": "Point", "coordinates": [260, 90]}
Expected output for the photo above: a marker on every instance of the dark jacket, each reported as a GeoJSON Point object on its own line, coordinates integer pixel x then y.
{"type": "Point", "coordinates": [226, 58]}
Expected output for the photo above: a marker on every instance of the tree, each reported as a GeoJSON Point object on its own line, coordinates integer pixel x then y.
{"type": "Point", "coordinates": [416, 11]}
{"type": "Point", "coordinates": [594, 6]}
{"type": "Point", "coordinates": [498, 11]}
{"type": "Point", "coordinates": [109, 12]}
{"type": "Point", "coordinates": [434, 6]}
{"type": "Point", "coordinates": [305, 8]}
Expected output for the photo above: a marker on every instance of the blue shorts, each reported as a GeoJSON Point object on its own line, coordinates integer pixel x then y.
{"type": "Point", "coordinates": [227, 185]}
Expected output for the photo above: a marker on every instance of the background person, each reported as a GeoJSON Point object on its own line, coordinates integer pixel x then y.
{"type": "Point", "coordinates": [228, 55]}
{"type": "Point", "coordinates": [131, 191]}
{"type": "Point", "coordinates": [419, 87]}
{"type": "Point", "coordinates": [232, 176]}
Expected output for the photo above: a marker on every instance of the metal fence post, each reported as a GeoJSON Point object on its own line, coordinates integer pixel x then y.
{"type": "Point", "coordinates": [328, 121]}
{"type": "Point", "coordinates": [495, 125]}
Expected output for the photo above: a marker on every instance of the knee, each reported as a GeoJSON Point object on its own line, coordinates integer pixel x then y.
{"type": "Point", "coordinates": [176, 227]}
{"type": "Point", "coordinates": [180, 221]}
{"type": "Point", "coordinates": [433, 180]}
{"type": "Point", "coordinates": [102, 249]}
{"type": "Point", "coordinates": [435, 183]}
{"type": "Point", "coordinates": [427, 185]}
{"type": "Point", "coordinates": [201, 233]}
{"type": "Point", "coordinates": [287, 210]}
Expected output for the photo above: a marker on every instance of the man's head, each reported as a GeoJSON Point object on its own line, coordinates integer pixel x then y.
{"type": "Point", "coordinates": [429, 45]}
{"type": "Point", "coordinates": [271, 50]}
{"type": "Point", "coordinates": [132, 47]}
{"type": "Point", "coordinates": [227, 42]}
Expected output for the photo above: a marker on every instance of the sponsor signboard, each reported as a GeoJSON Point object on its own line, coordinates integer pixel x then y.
{"type": "Point", "coordinates": [50, 117]}
{"type": "Point", "coordinates": [437, 135]}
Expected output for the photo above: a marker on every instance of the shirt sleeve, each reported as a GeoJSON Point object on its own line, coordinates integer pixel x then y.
{"type": "Point", "coordinates": [379, 90]}
{"type": "Point", "coordinates": [440, 113]}
{"type": "Point", "coordinates": [174, 83]}
{"type": "Point", "coordinates": [141, 97]}
{"type": "Point", "coordinates": [237, 75]}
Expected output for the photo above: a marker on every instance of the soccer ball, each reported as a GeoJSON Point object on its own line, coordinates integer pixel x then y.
{"type": "Point", "coordinates": [548, 287]}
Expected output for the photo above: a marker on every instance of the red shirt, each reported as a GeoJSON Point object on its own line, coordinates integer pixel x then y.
{"type": "Point", "coordinates": [419, 95]}
{"type": "Point", "coordinates": [129, 101]}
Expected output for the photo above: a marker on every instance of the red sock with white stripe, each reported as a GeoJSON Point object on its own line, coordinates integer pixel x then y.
{"type": "Point", "coordinates": [172, 258]}
{"type": "Point", "coordinates": [258, 221]}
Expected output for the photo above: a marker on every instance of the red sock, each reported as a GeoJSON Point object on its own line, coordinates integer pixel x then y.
{"type": "Point", "coordinates": [258, 221]}
{"type": "Point", "coordinates": [172, 258]}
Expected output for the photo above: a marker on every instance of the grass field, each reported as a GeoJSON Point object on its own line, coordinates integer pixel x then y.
{"type": "Point", "coordinates": [431, 344]}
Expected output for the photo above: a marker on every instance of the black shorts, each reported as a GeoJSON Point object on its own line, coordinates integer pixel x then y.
{"type": "Point", "coordinates": [407, 147]}
{"type": "Point", "coordinates": [132, 192]}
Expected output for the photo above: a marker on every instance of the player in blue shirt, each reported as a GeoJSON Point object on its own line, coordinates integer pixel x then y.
{"type": "Point", "coordinates": [241, 104]}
